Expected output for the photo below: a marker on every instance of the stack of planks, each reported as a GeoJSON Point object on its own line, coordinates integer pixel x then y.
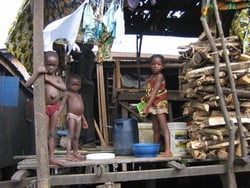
{"type": "Point", "coordinates": [209, 136]}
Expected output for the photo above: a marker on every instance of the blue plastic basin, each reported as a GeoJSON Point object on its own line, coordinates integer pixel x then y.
{"type": "Point", "coordinates": [146, 149]}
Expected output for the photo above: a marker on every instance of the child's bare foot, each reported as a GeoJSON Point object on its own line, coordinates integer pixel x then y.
{"type": "Point", "coordinates": [55, 162]}
{"type": "Point", "coordinates": [166, 154]}
{"type": "Point", "coordinates": [79, 156]}
{"type": "Point", "coordinates": [70, 158]}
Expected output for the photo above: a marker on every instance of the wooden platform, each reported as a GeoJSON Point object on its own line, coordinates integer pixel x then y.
{"type": "Point", "coordinates": [120, 169]}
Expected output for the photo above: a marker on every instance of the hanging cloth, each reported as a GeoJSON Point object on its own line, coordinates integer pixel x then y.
{"type": "Point", "coordinates": [120, 25]}
{"type": "Point", "coordinates": [99, 20]}
{"type": "Point", "coordinates": [88, 24]}
{"type": "Point", "coordinates": [240, 27]}
{"type": "Point", "coordinates": [104, 45]}
{"type": "Point", "coordinates": [109, 19]}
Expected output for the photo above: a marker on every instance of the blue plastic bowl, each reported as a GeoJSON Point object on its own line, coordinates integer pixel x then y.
{"type": "Point", "coordinates": [145, 149]}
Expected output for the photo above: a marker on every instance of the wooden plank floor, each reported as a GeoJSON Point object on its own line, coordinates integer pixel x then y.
{"type": "Point", "coordinates": [30, 163]}
{"type": "Point", "coordinates": [124, 168]}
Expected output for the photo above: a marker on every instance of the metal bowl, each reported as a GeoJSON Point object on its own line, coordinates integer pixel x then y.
{"type": "Point", "coordinates": [145, 149]}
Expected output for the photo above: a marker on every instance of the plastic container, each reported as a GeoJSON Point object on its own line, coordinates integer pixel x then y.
{"type": "Point", "coordinates": [145, 132]}
{"type": "Point", "coordinates": [146, 149]}
{"type": "Point", "coordinates": [9, 91]}
{"type": "Point", "coordinates": [178, 137]}
{"type": "Point", "coordinates": [125, 133]}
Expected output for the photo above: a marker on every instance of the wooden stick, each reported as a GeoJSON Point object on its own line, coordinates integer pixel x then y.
{"type": "Point", "coordinates": [99, 134]}
{"type": "Point", "coordinates": [99, 97]}
{"type": "Point", "coordinates": [102, 102]}
{"type": "Point", "coordinates": [104, 109]}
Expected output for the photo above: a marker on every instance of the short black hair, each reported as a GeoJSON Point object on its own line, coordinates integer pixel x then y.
{"type": "Point", "coordinates": [51, 53]}
{"type": "Point", "coordinates": [157, 56]}
{"type": "Point", "coordinates": [73, 76]}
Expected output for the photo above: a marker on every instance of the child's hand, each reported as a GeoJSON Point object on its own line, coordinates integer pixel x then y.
{"type": "Point", "coordinates": [145, 111]}
{"type": "Point", "coordinates": [42, 69]}
{"type": "Point", "coordinates": [85, 124]}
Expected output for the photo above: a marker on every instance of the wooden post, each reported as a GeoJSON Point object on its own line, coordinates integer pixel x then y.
{"type": "Point", "coordinates": [39, 99]}
{"type": "Point", "coordinates": [117, 74]}
{"type": "Point", "coordinates": [102, 102]}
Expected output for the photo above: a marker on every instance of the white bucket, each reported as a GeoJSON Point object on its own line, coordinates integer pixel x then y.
{"type": "Point", "coordinates": [178, 137]}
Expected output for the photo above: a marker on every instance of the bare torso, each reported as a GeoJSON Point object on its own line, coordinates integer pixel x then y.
{"type": "Point", "coordinates": [75, 104]}
{"type": "Point", "coordinates": [52, 94]}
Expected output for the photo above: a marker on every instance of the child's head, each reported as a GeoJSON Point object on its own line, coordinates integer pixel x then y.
{"type": "Point", "coordinates": [51, 60]}
{"type": "Point", "coordinates": [74, 83]}
{"type": "Point", "coordinates": [157, 63]}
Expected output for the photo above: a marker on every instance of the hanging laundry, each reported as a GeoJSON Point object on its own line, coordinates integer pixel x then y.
{"type": "Point", "coordinates": [64, 28]}
{"type": "Point", "coordinates": [99, 19]}
{"type": "Point", "coordinates": [109, 19]}
{"type": "Point", "coordinates": [99, 11]}
{"type": "Point", "coordinates": [88, 24]}
{"type": "Point", "coordinates": [104, 45]}
{"type": "Point", "coordinates": [240, 27]}
{"type": "Point", "coordinates": [120, 24]}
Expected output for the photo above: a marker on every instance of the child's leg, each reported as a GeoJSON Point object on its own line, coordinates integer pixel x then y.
{"type": "Point", "coordinates": [163, 122]}
{"type": "Point", "coordinates": [156, 129]}
{"type": "Point", "coordinates": [51, 138]}
{"type": "Point", "coordinates": [71, 127]}
{"type": "Point", "coordinates": [76, 140]}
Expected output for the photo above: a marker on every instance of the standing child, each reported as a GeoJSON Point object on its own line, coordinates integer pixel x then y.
{"type": "Point", "coordinates": [156, 98]}
{"type": "Point", "coordinates": [54, 86]}
{"type": "Point", "coordinates": [75, 117]}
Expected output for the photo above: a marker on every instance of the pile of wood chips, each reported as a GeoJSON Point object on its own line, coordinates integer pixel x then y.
{"type": "Point", "coordinates": [208, 134]}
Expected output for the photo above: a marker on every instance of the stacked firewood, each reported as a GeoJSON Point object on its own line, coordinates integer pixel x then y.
{"type": "Point", "coordinates": [208, 133]}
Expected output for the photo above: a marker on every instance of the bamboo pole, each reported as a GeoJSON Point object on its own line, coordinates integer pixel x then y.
{"type": "Point", "coordinates": [231, 80]}
{"type": "Point", "coordinates": [39, 100]}
{"type": "Point", "coordinates": [230, 174]}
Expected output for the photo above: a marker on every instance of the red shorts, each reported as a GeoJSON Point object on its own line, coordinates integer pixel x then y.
{"type": "Point", "coordinates": [50, 109]}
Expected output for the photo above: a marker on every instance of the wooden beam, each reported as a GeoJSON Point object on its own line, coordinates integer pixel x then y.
{"type": "Point", "coordinates": [144, 174]}
{"type": "Point", "coordinates": [39, 99]}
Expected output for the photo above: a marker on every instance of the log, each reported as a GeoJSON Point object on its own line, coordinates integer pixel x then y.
{"type": "Point", "coordinates": [222, 154]}
{"type": "Point", "coordinates": [204, 80]}
{"type": "Point", "coordinates": [245, 104]}
{"type": "Point", "coordinates": [208, 89]}
{"type": "Point", "coordinates": [210, 69]}
{"type": "Point", "coordinates": [222, 145]}
{"type": "Point", "coordinates": [214, 121]}
{"type": "Point", "coordinates": [240, 93]}
{"type": "Point", "coordinates": [200, 106]}
{"type": "Point", "coordinates": [244, 80]}
{"type": "Point", "coordinates": [211, 97]}
{"type": "Point", "coordinates": [212, 132]}
{"type": "Point", "coordinates": [200, 114]}
{"type": "Point", "coordinates": [199, 155]}
{"type": "Point", "coordinates": [197, 60]}
{"type": "Point", "coordinates": [212, 154]}
{"type": "Point", "coordinates": [189, 93]}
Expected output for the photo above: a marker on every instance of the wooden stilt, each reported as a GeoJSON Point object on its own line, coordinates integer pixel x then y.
{"type": "Point", "coordinates": [39, 100]}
